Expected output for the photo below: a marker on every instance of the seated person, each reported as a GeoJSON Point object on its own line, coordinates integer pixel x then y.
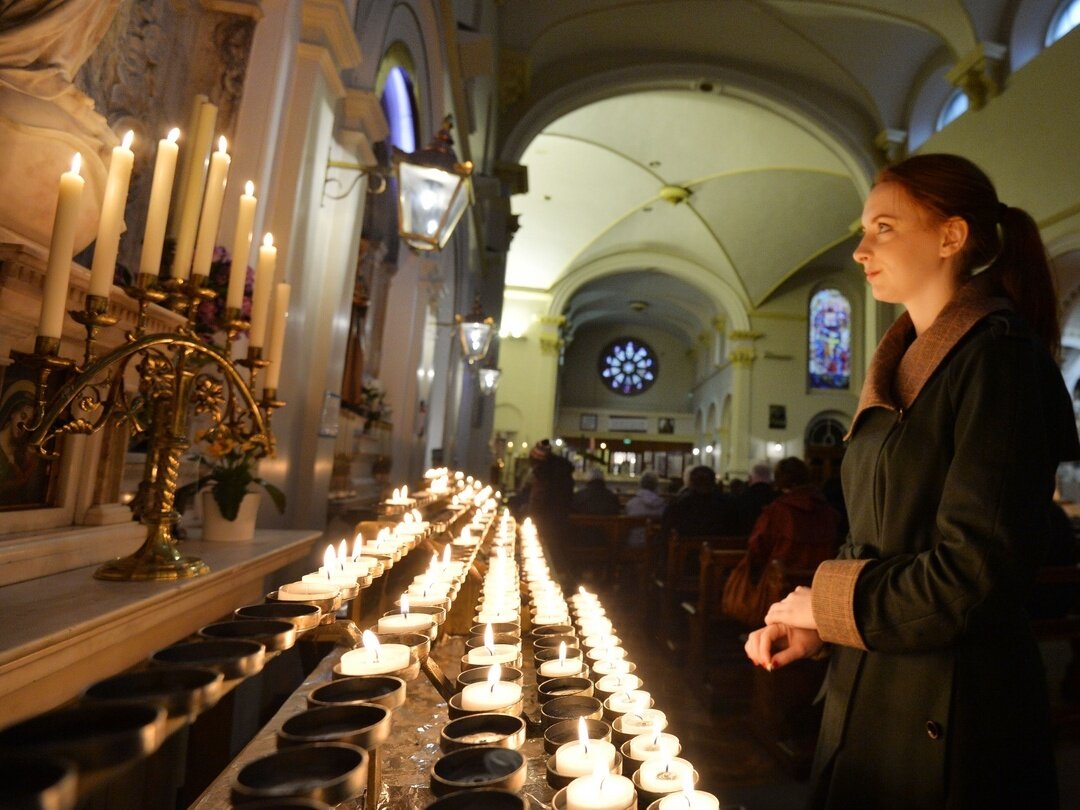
{"type": "Point", "coordinates": [700, 509]}
{"type": "Point", "coordinates": [757, 495]}
{"type": "Point", "coordinates": [595, 498]}
{"type": "Point", "coordinates": [645, 503]}
{"type": "Point", "coordinates": [799, 528]}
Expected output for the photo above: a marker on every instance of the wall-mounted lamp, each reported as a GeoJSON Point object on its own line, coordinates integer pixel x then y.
{"type": "Point", "coordinates": [433, 189]}
{"type": "Point", "coordinates": [488, 380]}
{"type": "Point", "coordinates": [475, 331]}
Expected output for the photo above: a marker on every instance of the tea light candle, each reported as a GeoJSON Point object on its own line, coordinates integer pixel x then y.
{"type": "Point", "coordinates": [609, 667]}
{"type": "Point", "coordinates": [405, 622]}
{"type": "Point", "coordinates": [561, 667]}
{"type": "Point", "coordinates": [501, 615]}
{"type": "Point", "coordinates": [664, 775]}
{"type": "Point", "coordinates": [601, 791]}
{"type": "Point", "coordinates": [628, 701]}
{"type": "Point", "coordinates": [492, 653]}
{"type": "Point", "coordinates": [603, 640]}
{"type": "Point", "coordinates": [582, 757]}
{"type": "Point", "coordinates": [330, 580]}
{"type": "Point", "coordinates": [690, 799]}
{"type": "Point", "coordinates": [618, 682]}
{"type": "Point", "coordinates": [642, 721]}
{"type": "Point", "coordinates": [607, 653]}
{"type": "Point", "coordinates": [374, 658]}
{"type": "Point", "coordinates": [651, 746]}
{"type": "Point", "coordinates": [301, 591]}
{"type": "Point", "coordinates": [492, 694]}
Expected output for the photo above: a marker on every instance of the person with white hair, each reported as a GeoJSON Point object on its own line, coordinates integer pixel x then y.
{"type": "Point", "coordinates": [645, 503]}
{"type": "Point", "coordinates": [758, 494]}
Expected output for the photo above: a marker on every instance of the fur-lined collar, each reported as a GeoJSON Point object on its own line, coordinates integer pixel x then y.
{"type": "Point", "coordinates": [901, 366]}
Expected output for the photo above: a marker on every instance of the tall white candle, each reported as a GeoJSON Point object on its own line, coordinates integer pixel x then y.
{"type": "Point", "coordinates": [112, 217]}
{"type": "Point", "coordinates": [277, 336]}
{"type": "Point", "coordinates": [61, 247]}
{"type": "Point", "coordinates": [199, 145]}
{"type": "Point", "coordinates": [157, 214]}
{"type": "Point", "coordinates": [245, 216]}
{"type": "Point", "coordinates": [211, 209]}
{"type": "Point", "coordinates": [184, 169]}
{"type": "Point", "coordinates": [264, 283]}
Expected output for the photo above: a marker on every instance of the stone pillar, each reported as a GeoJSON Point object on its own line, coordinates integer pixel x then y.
{"type": "Point", "coordinates": [742, 356]}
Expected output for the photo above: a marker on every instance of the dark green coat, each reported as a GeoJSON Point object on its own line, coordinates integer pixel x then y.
{"type": "Point", "coordinates": [948, 499]}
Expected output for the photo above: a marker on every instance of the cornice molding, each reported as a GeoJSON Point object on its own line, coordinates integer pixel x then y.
{"type": "Point", "coordinates": [317, 53]}
{"type": "Point", "coordinates": [326, 23]}
{"type": "Point", "coordinates": [241, 8]}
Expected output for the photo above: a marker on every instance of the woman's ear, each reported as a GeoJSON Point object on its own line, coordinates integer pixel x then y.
{"type": "Point", "coordinates": [954, 234]}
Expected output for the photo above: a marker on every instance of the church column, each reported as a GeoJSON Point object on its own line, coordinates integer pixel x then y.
{"type": "Point", "coordinates": [742, 356]}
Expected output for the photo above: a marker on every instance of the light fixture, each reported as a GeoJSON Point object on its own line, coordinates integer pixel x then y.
{"type": "Point", "coordinates": [488, 378]}
{"type": "Point", "coordinates": [708, 448]}
{"type": "Point", "coordinates": [433, 191]}
{"type": "Point", "coordinates": [475, 331]}
{"type": "Point", "coordinates": [696, 452]}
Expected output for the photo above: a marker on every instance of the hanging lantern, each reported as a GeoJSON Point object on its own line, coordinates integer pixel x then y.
{"type": "Point", "coordinates": [433, 192]}
{"type": "Point", "coordinates": [488, 379]}
{"type": "Point", "coordinates": [475, 331]}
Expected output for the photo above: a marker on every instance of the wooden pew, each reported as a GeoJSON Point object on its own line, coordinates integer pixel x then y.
{"type": "Point", "coordinates": [681, 580]}
{"type": "Point", "coordinates": [598, 544]}
{"type": "Point", "coordinates": [703, 613]}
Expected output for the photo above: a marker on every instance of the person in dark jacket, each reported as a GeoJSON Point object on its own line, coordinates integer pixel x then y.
{"type": "Point", "coordinates": [758, 494]}
{"type": "Point", "coordinates": [551, 487]}
{"type": "Point", "coordinates": [699, 510]}
{"type": "Point", "coordinates": [798, 528]}
{"type": "Point", "coordinates": [936, 692]}
{"type": "Point", "coordinates": [595, 498]}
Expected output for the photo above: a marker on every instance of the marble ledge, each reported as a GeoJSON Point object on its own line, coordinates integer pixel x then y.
{"type": "Point", "coordinates": [64, 632]}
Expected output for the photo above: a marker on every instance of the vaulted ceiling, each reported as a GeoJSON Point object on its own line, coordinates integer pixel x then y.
{"type": "Point", "coordinates": [724, 143]}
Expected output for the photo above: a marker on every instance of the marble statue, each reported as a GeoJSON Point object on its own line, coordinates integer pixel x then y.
{"type": "Point", "coordinates": [44, 118]}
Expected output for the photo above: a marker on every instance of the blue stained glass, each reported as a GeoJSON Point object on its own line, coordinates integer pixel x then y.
{"type": "Point", "coordinates": [829, 350]}
{"type": "Point", "coordinates": [627, 366]}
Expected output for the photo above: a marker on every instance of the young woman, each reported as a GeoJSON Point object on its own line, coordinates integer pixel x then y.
{"type": "Point", "coordinates": [936, 694]}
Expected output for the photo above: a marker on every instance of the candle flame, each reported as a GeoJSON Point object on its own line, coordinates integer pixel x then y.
{"type": "Point", "coordinates": [583, 733]}
{"type": "Point", "coordinates": [493, 676]}
{"type": "Point", "coordinates": [329, 557]}
{"type": "Point", "coordinates": [371, 642]}
{"type": "Point", "coordinates": [562, 652]}
{"type": "Point", "coordinates": [396, 495]}
{"type": "Point", "coordinates": [173, 136]}
{"type": "Point", "coordinates": [129, 139]}
{"type": "Point", "coordinates": [343, 553]}
{"type": "Point", "coordinates": [489, 638]}
{"type": "Point", "coordinates": [405, 605]}
{"type": "Point", "coordinates": [268, 240]}
{"type": "Point", "coordinates": [358, 545]}
{"type": "Point", "coordinates": [446, 556]}
{"type": "Point", "coordinates": [222, 145]}
{"type": "Point", "coordinates": [249, 188]}
{"type": "Point", "coordinates": [76, 163]}
{"type": "Point", "coordinates": [404, 491]}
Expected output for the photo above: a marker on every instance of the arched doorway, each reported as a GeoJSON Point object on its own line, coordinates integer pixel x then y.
{"type": "Point", "coordinates": [824, 443]}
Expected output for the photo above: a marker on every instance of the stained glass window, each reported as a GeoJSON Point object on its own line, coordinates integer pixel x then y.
{"type": "Point", "coordinates": [830, 340]}
{"type": "Point", "coordinates": [1066, 18]}
{"type": "Point", "coordinates": [628, 366]}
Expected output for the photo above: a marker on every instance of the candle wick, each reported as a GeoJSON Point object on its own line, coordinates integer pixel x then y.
{"type": "Point", "coordinates": [376, 656]}
{"type": "Point", "coordinates": [491, 651]}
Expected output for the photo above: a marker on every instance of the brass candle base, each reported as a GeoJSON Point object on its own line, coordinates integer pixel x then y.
{"type": "Point", "coordinates": [157, 559]}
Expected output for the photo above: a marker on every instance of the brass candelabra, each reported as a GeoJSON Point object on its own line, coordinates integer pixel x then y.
{"type": "Point", "coordinates": [179, 376]}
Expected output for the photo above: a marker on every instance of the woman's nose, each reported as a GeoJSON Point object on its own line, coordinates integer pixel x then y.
{"type": "Point", "coordinates": [862, 253]}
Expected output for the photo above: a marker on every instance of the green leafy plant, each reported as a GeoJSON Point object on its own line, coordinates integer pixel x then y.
{"type": "Point", "coordinates": [228, 465]}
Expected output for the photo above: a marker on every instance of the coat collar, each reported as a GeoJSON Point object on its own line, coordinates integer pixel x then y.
{"type": "Point", "coordinates": [903, 363]}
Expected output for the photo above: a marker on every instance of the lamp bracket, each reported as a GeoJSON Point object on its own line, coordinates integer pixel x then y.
{"type": "Point", "coordinates": [363, 169]}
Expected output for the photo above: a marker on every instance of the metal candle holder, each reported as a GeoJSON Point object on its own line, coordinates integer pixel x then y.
{"type": "Point", "coordinates": [179, 375]}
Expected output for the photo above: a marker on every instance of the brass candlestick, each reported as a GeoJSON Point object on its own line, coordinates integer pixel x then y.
{"type": "Point", "coordinates": [179, 375]}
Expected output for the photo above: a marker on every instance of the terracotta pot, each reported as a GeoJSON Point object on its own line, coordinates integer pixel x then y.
{"type": "Point", "coordinates": [216, 528]}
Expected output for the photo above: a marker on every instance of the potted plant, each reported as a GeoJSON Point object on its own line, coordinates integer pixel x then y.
{"type": "Point", "coordinates": [228, 471]}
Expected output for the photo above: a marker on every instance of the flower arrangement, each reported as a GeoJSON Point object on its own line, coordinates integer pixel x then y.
{"type": "Point", "coordinates": [228, 465]}
{"type": "Point", "coordinates": [372, 405]}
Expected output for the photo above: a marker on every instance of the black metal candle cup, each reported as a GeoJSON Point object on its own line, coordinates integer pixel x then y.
{"type": "Point", "coordinates": [553, 630]}
{"type": "Point", "coordinates": [612, 714]}
{"type": "Point", "coordinates": [552, 654]}
{"type": "Point", "coordinates": [38, 782]}
{"type": "Point", "coordinates": [480, 675]}
{"type": "Point", "coordinates": [596, 674]}
{"type": "Point", "coordinates": [472, 642]}
{"type": "Point", "coordinates": [501, 628]}
{"type": "Point", "coordinates": [564, 687]}
{"type": "Point", "coordinates": [382, 690]}
{"type": "Point", "coordinates": [485, 728]}
{"type": "Point", "coordinates": [466, 664]}
{"type": "Point", "coordinates": [274, 634]}
{"type": "Point", "coordinates": [286, 804]}
{"type": "Point", "coordinates": [558, 780]}
{"type": "Point", "coordinates": [236, 658]}
{"type": "Point", "coordinates": [480, 799]}
{"type": "Point", "coordinates": [583, 672]}
{"type": "Point", "coordinates": [419, 648]}
{"type": "Point", "coordinates": [570, 708]}
{"type": "Point", "coordinates": [569, 731]}
{"type": "Point", "coordinates": [93, 735]}
{"type": "Point", "coordinates": [431, 632]}
{"type": "Point", "coordinates": [480, 767]}
{"type": "Point", "coordinates": [437, 612]}
{"type": "Point", "coordinates": [327, 772]}
{"type": "Point", "coordinates": [364, 725]}
{"type": "Point", "coordinates": [455, 710]}
{"type": "Point", "coordinates": [181, 691]}
{"type": "Point", "coordinates": [552, 642]}
{"type": "Point", "coordinates": [328, 606]}
{"type": "Point", "coordinates": [303, 615]}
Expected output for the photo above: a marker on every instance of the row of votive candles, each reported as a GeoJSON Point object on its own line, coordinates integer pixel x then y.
{"type": "Point", "coordinates": [590, 760]}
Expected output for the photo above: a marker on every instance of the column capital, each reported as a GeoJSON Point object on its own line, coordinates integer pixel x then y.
{"type": "Point", "coordinates": [742, 357]}
{"type": "Point", "coordinates": [980, 73]}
